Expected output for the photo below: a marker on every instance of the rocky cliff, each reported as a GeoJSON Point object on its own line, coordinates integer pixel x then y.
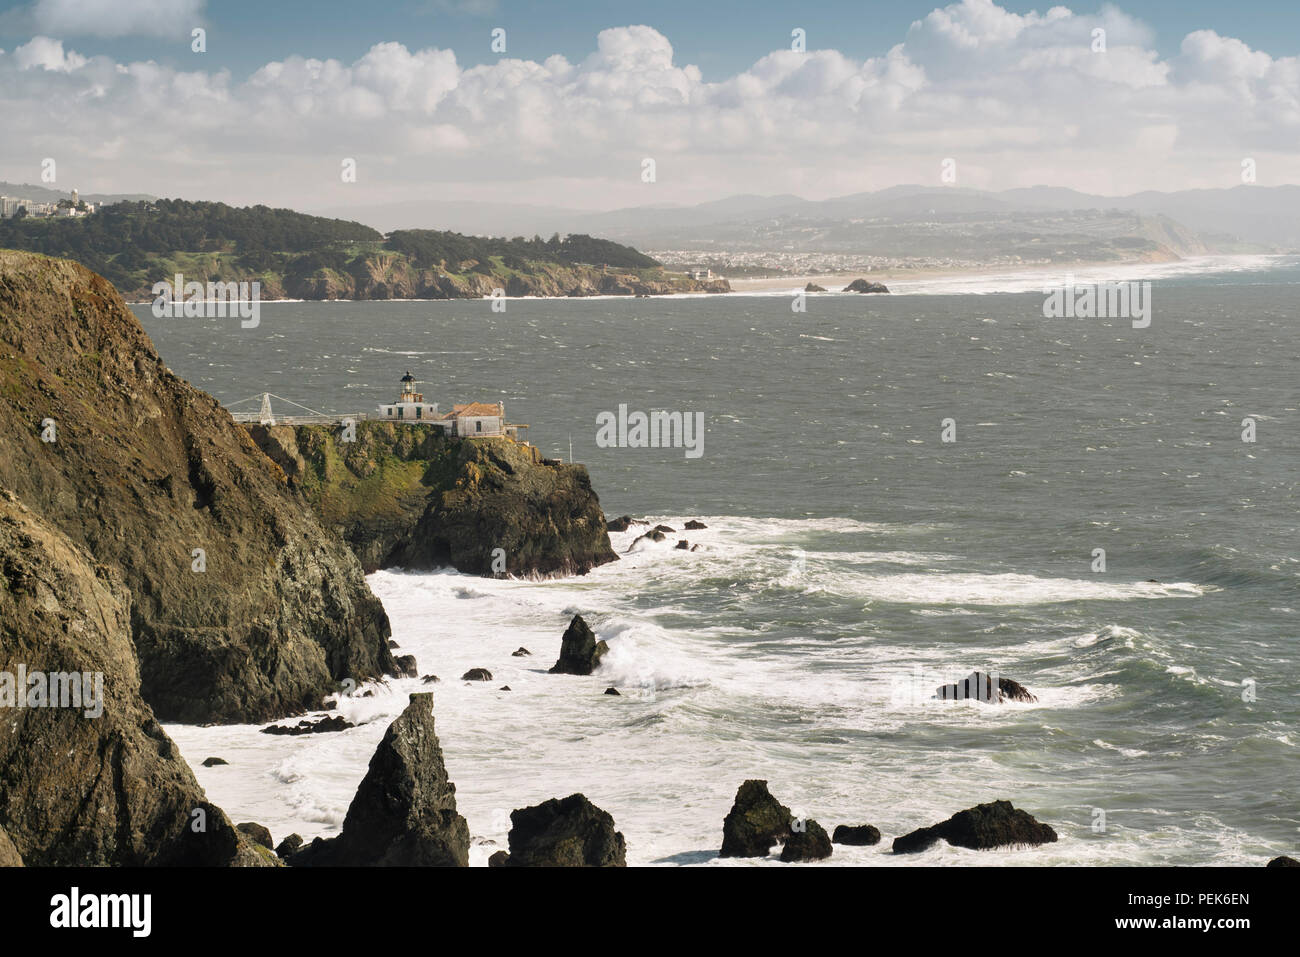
{"type": "Point", "coordinates": [87, 776]}
{"type": "Point", "coordinates": [404, 495]}
{"type": "Point", "coordinates": [241, 607]}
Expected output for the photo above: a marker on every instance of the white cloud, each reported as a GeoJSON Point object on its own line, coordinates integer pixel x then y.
{"type": "Point", "coordinates": [1015, 99]}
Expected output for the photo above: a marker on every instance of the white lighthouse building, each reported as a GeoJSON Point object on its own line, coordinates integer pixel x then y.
{"type": "Point", "coordinates": [410, 405]}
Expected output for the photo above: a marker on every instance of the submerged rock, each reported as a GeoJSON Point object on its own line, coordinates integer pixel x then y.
{"type": "Point", "coordinates": [755, 822]}
{"type": "Point", "coordinates": [979, 685]}
{"type": "Point", "coordinates": [404, 812]}
{"type": "Point", "coordinates": [580, 652]}
{"type": "Point", "coordinates": [571, 832]}
{"type": "Point", "coordinates": [477, 674]}
{"type": "Point", "coordinates": [653, 535]}
{"type": "Point", "coordinates": [430, 679]}
{"type": "Point", "coordinates": [521, 652]}
{"type": "Point", "coordinates": [863, 285]}
{"type": "Point", "coordinates": [665, 529]}
{"type": "Point", "coordinates": [257, 834]}
{"type": "Point", "coordinates": [324, 725]}
{"type": "Point", "coordinates": [613, 691]}
{"type": "Point", "coordinates": [860, 836]}
{"type": "Point", "coordinates": [213, 762]}
{"type": "Point", "coordinates": [808, 841]}
{"type": "Point", "coordinates": [624, 522]}
{"type": "Point", "coordinates": [694, 526]}
{"type": "Point", "coordinates": [684, 545]}
{"type": "Point", "coordinates": [996, 824]}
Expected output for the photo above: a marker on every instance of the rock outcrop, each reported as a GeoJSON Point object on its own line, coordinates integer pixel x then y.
{"type": "Point", "coordinates": [404, 812]}
{"type": "Point", "coordinates": [94, 781]}
{"type": "Point", "coordinates": [570, 832]}
{"type": "Point", "coordinates": [755, 823]}
{"type": "Point", "coordinates": [257, 833]}
{"type": "Point", "coordinates": [863, 285]}
{"type": "Point", "coordinates": [580, 652]}
{"type": "Point", "coordinates": [979, 685]}
{"type": "Point", "coordinates": [405, 495]}
{"type": "Point", "coordinates": [813, 287]}
{"type": "Point", "coordinates": [808, 841]}
{"type": "Point", "coordinates": [9, 856]}
{"type": "Point", "coordinates": [1283, 861]}
{"type": "Point", "coordinates": [241, 607]}
{"type": "Point", "coordinates": [985, 826]}
{"type": "Point", "coordinates": [860, 836]}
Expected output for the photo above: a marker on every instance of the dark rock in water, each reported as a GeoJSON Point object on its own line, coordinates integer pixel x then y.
{"type": "Point", "coordinates": [693, 525]}
{"type": "Point", "coordinates": [504, 688]}
{"type": "Point", "coordinates": [290, 846]}
{"type": "Point", "coordinates": [654, 535]}
{"type": "Point", "coordinates": [404, 812]}
{"type": "Point", "coordinates": [856, 836]}
{"type": "Point", "coordinates": [257, 834]}
{"type": "Point", "coordinates": [813, 287]}
{"type": "Point", "coordinates": [521, 652]}
{"type": "Point", "coordinates": [213, 762]}
{"type": "Point", "coordinates": [862, 285]}
{"type": "Point", "coordinates": [445, 501]}
{"type": "Point", "coordinates": [9, 856]}
{"type": "Point", "coordinates": [612, 690]}
{"type": "Point", "coordinates": [684, 545]}
{"type": "Point", "coordinates": [665, 529]}
{"type": "Point", "coordinates": [580, 652]}
{"type": "Point", "coordinates": [499, 859]}
{"type": "Point", "coordinates": [103, 784]}
{"type": "Point", "coordinates": [979, 685]}
{"type": "Point", "coordinates": [623, 523]}
{"type": "Point", "coordinates": [1283, 861]}
{"type": "Point", "coordinates": [477, 674]}
{"type": "Point", "coordinates": [696, 548]}
{"type": "Point", "coordinates": [430, 679]}
{"type": "Point", "coordinates": [755, 822]}
{"type": "Point", "coordinates": [406, 666]}
{"type": "Point", "coordinates": [571, 832]}
{"type": "Point", "coordinates": [322, 726]}
{"type": "Point", "coordinates": [808, 841]}
{"type": "Point", "coordinates": [996, 824]}
{"type": "Point", "coordinates": [145, 470]}
{"type": "Point", "coordinates": [1153, 581]}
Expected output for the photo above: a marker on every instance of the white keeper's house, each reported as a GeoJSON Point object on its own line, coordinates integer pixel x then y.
{"type": "Point", "coordinates": [468, 420]}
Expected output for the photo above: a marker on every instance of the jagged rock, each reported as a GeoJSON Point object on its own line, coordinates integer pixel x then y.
{"type": "Point", "coordinates": [859, 836]}
{"type": "Point", "coordinates": [696, 548]}
{"type": "Point", "coordinates": [392, 645]}
{"type": "Point", "coordinates": [665, 529]}
{"type": "Point", "coordinates": [102, 784]}
{"type": "Point", "coordinates": [979, 685]}
{"type": "Point", "coordinates": [499, 859]}
{"type": "Point", "coordinates": [257, 834]}
{"type": "Point", "coordinates": [623, 523]}
{"type": "Point", "coordinates": [9, 856]}
{"type": "Point", "coordinates": [813, 287]}
{"type": "Point", "coordinates": [694, 526]}
{"type": "Point", "coordinates": [477, 674]}
{"type": "Point", "coordinates": [807, 842]}
{"type": "Point", "coordinates": [996, 824]}
{"type": "Point", "coordinates": [405, 666]}
{"type": "Point", "coordinates": [430, 679]}
{"type": "Point", "coordinates": [1283, 861]}
{"type": "Point", "coordinates": [504, 688]}
{"type": "Point", "coordinates": [323, 725]}
{"type": "Point", "coordinates": [290, 846]}
{"type": "Point", "coordinates": [580, 652]}
{"type": "Point", "coordinates": [444, 501]}
{"type": "Point", "coordinates": [613, 691]}
{"type": "Point", "coordinates": [404, 812]}
{"type": "Point", "coordinates": [862, 285]}
{"type": "Point", "coordinates": [755, 822]}
{"type": "Point", "coordinates": [571, 832]}
{"type": "Point", "coordinates": [652, 535]}
{"type": "Point", "coordinates": [521, 652]}
{"type": "Point", "coordinates": [145, 470]}
{"type": "Point", "coordinates": [683, 545]}
{"type": "Point", "coordinates": [213, 762]}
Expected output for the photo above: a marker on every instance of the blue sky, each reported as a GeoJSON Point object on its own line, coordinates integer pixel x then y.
{"type": "Point", "coordinates": [722, 37]}
{"type": "Point", "coordinates": [1181, 94]}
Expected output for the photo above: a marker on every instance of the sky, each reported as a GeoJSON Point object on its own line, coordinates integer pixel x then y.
{"type": "Point", "coordinates": [286, 99]}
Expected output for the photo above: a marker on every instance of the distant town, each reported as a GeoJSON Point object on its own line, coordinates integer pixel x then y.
{"type": "Point", "coordinates": [12, 207]}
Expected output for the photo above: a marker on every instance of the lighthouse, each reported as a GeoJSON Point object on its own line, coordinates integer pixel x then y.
{"type": "Point", "coordinates": [410, 405]}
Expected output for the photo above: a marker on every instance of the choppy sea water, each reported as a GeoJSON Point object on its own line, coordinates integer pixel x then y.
{"type": "Point", "coordinates": [852, 562]}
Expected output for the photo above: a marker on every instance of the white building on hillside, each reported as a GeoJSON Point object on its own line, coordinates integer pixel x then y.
{"type": "Point", "coordinates": [467, 420]}
{"type": "Point", "coordinates": [410, 405]}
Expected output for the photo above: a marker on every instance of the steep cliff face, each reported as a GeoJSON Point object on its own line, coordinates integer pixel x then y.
{"type": "Point", "coordinates": [107, 446]}
{"type": "Point", "coordinates": [87, 777]}
{"type": "Point", "coordinates": [403, 495]}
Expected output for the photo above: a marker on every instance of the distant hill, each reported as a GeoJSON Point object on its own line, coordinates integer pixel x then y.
{"type": "Point", "coordinates": [43, 194]}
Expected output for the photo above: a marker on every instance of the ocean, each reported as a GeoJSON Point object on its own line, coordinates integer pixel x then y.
{"type": "Point", "coordinates": [853, 561]}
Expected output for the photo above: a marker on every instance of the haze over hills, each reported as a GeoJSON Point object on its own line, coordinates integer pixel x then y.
{"type": "Point", "coordinates": [1243, 218]}
{"type": "Point", "coordinates": [44, 194]}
